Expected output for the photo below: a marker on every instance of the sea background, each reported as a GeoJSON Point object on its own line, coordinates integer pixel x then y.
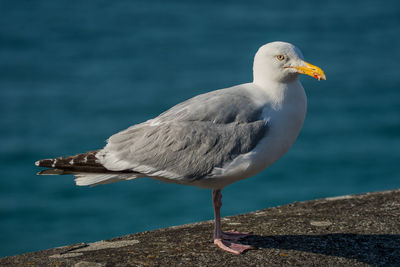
{"type": "Point", "coordinates": [72, 73]}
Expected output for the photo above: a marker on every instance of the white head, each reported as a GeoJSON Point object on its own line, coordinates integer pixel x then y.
{"type": "Point", "coordinates": [282, 62]}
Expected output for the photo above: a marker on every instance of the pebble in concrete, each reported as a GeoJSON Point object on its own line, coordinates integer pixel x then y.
{"type": "Point", "coordinates": [77, 250]}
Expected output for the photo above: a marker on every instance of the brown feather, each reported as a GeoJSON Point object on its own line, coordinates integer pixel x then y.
{"type": "Point", "coordinates": [86, 162]}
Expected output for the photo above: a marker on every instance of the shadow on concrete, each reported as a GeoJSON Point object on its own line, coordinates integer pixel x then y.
{"type": "Point", "coordinates": [377, 250]}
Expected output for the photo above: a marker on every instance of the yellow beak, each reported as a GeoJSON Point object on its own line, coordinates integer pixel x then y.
{"type": "Point", "coordinates": [311, 70]}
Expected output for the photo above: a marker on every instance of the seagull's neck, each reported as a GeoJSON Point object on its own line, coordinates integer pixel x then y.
{"type": "Point", "coordinates": [280, 92]}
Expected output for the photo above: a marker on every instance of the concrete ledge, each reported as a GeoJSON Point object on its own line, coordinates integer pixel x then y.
{"type": "Point", "coordinates": [359, 230]}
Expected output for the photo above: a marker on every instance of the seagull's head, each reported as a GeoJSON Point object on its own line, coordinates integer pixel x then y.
{"type": "Point", "coordinates": [282, 62]}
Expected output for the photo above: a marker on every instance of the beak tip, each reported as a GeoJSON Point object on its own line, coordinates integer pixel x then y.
{"type": "Point", "coordinates": [312, 71]}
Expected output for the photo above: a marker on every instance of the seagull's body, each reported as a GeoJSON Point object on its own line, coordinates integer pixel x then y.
{"type": "Point", "coordinates": [210, 140]}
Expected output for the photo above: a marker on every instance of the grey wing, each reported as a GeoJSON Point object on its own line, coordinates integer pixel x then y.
{"type": "Point", "coordinates": [191, 139]}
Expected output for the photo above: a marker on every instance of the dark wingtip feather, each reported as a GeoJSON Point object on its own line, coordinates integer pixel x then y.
{"type": "Point", "coordinates": [86, 162]}
{"type": "Point", "coordinates": [46, 163]}
{"type": "Point", "coordinates": [51, 172]}
{"type": "Point", "coordinates": [81, 163]}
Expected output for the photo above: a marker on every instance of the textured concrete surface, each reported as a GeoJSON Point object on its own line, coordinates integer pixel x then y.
{"type": "Point", "coordinates": [360, 230]}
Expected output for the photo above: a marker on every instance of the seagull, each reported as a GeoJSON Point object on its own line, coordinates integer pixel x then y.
{"type": "Point", "coordinates": [211, 140]}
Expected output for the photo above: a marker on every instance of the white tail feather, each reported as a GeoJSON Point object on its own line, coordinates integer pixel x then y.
{"type": "Point", "coordinates": [92, 179]}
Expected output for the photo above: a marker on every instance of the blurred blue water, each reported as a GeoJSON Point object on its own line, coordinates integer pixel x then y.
{"type": "Point", "coordinates": [74, 72]}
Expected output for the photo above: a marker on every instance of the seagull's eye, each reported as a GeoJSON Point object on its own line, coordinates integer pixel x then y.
{"type": "Point", "coordinates": [280, 57]}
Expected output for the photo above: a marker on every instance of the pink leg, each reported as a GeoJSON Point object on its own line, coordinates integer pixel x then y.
{"type": "Point", "coordinates": [228, 241]}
